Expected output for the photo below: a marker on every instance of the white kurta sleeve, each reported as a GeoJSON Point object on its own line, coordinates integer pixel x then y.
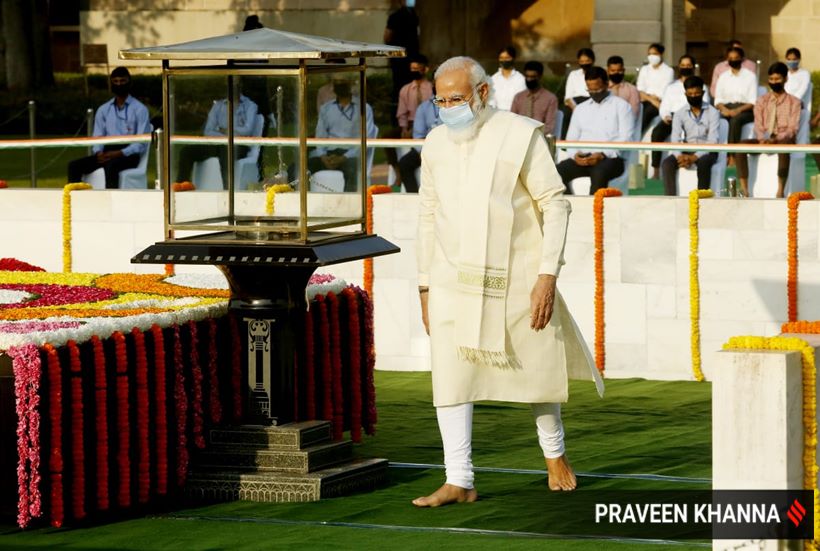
{"type": "Point", "coordinates": [428, 204]}
{"type": "Point", "coordinates": [541, 179]}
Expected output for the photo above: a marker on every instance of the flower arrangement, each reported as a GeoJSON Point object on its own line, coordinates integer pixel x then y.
{"type": "Point", "coordinates": [270, 196]}
{"type": "Point", "coordinates": [14, 265]}
{"type": "Point", "coordinates": [55, 414]}
{"type": "Point", "coordinates": [160, 415]}
{"type": "Point", "coordinates": [801, 327]}
{"type": "Point", "coordinates": [26, 365]}
{"type": "Point", "coordinates": [67, 189]}
{"type": "Point", "coordinates": [791, 280]}
{"type": "Point", "coordinates": [196, 387]}
{"type": "Point", "coordinates": [809, 406]}
{"type": "Point", "coordinates": [368, 262]}
{"type": "Point", "coordinates": [101, 401]}
{"type": "Point", "coordinates": [598, 218]}
{"type": "Point", "coordinates": [123, 422]}
{"type": "Point", "coordinates": [78, 446]}
{"type": "Point", "coordinates": [183, 186]}
{"type": "Point", "coordinates": [694, 283]}
{"type": "Point", "coordinates": [141, 414]}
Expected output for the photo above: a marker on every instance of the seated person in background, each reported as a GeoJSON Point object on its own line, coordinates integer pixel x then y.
{"type": "Point", "coordinates": [736, 94]}
{"type": "Point", "coordinates": [536, 102]}
{"type": "Point", "coordinates": [777, 116]}
{"type": "Point", "coordinates": [653, 78]}
{"type": "Point", "coordinates": [605, 118]}
{"type": "Point", "coordinates": [426, 119]}
{"type": "Point", "coordinates": [244, 119]}
{"type": "Point", "coordinates": [723, 66]}
{"type": "Point", "coordinates": [122, 115]}
{"type": "Point", "coordinates": [575, 90]}
{"type": "Point", "coordinates": [674, 98]}
{"type": "Point", "coordinates": [619, 87]}
{"type": "Point", "coordinates": [799, 79]}
{"type": "Point", "coordinates": [695, 123]}
{"type": "Point", "coordinates": [339, 119]}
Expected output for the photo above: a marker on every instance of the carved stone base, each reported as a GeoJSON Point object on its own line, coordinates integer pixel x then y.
{"type": "Point", "coordinates": [288, 463]}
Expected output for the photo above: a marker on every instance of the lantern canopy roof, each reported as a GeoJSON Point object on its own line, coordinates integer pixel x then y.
{"type": "Point", "coordinates": [263, 44]}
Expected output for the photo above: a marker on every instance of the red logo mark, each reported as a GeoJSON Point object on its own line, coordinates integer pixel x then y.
{"type": "Point", "coordinates": [796, 513]}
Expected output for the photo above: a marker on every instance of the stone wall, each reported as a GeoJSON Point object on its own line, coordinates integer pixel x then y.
{"type": "Point", "coordinates": [742, 274]}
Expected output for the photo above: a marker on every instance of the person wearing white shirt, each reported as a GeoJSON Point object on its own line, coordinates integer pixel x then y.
{"type": "Point", "coordinates": [673, 100]}
{"type": "Point", "coordinates": [606, 118]}
{"type": "Point", "coordinates": [799, 79]}
{"type": "Point", "coordinates": [653, 78]}
{"type": "Point", "coordinates": [736, 94]}
{"type": "Point", "coordinates": [507, 82]}
{"type": "Point", "coordinates": [575, 88]}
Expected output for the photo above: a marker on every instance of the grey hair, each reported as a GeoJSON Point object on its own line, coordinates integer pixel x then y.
{"type": "Point", "coordinates": [478, 75]}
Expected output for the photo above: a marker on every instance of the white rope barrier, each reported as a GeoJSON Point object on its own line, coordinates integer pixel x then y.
{"type": "Point", "coordinates": [46, 143]}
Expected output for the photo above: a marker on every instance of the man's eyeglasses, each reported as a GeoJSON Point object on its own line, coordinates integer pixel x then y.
{"type": "Point", "coordinates": [452, 101]}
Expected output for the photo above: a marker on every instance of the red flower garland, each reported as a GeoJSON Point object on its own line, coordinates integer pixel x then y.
{"type": "Point", "coordinates": [161, 417]}
{"type": "Point", "coordinates": [181, 401]}
{"type": "Point", "coordinates": [101, 416]}
{"type": "Point", "coordinates": [78, 447]}
{"type": "Point", "coordinates": [355, 365]}
{"type": "Point", "coordinates": [370, 364]}
{"type": "Point", "coordinates": [143, 449]}
{"type": "Point", "coordinates": [215, 407]}
{"type": "Point", "coordinates": [123, 421]}
{"type": "Point", "coordinates": [310, 368]}
{"type": "Point", "coordinates": [14, 265]}
{"type": "Point", "coordinates": [196, 388]}
{"type": "Point", "coordinates": [336, 364]}
{"type": "Point", "coordinates": [327, 369]}
{"type": "Point", "coordinates": [55, 414]}
{"type": "Point", "coordinates": [27, 367]}
{"type": "Point", "coordinates": [236, 368]}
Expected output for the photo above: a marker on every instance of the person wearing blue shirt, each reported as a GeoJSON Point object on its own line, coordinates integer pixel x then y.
{"type": "Point", "coordinates": [339, 118]}
{"type": "Point", "coordinates": [244, 118]}
{"type": "Point", "coordinates": [426, 119]}
{"type": "Point", "coordinates": [122, 115]}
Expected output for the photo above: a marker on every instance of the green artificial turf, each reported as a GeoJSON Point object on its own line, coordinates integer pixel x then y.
{"type": "Point", "coordinates": [648, 427]}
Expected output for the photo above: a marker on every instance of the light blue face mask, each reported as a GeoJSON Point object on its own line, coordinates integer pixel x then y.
{"type": "Point", "coordinates": [458, 117]}
{"type": "Point", "coordinates": [793, 63]}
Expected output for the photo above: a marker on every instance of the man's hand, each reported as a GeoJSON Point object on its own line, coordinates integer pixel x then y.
{"type": "Point", "coordinates": [542, 298]}
{"type": "Point", "coordinates": [594, 159]}
{"type": "Point", "coordinates": [667, 120]}
{"type": "Point", "coordinates": [725, 111]}
{"type": "Point", "coordinates": [406, 133]}
{"type": "Point", "coordinates": [425, 318]}
{"type": "Point", "coordinates": [685, 160]}
{"type": "Point", "coordinates": [105, 156]}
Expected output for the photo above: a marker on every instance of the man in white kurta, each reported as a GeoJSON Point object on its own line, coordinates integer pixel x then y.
{"type": "Point", "coordinates": [492, 228]}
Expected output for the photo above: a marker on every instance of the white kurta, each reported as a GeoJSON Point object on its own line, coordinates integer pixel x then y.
{"type": "Point", "coordinates": [547, 358]}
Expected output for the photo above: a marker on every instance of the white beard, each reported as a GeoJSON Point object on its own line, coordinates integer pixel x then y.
{"type": "Point", "coordinates": [465, 135]}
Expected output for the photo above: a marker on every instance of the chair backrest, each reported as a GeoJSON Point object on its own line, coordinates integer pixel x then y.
{"type": "Point", "coordinates": [803, 127]}
{"type": "Point", "coordinates": [559, 124]}
{"type": "Point", "coordinates": [143, 164]}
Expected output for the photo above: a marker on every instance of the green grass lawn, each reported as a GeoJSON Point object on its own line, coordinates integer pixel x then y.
{"type": "Point", "coordinates": [639, 427]}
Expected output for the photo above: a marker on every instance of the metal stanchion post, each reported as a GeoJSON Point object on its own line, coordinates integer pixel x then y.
{"type": "Point", "coordinates": [32, 117]}
{"type": "Point", "coordinates": [158, 182]}
{"type": "Point", "coordinates": [89, 123]}
{"type": "Point", "coordinates": [551, 145]}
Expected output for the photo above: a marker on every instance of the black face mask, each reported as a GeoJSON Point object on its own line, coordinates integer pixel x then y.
{"type": "Point", "coordinates": [506, 64]}
{"type": "Point", "coordinates": [695, 101]}
{"type": "Point", "coordinates": [341, 89]}
{"type": "Point", "coordinates": [686, 71]}
{"type": "Point", "coordinates": [598, 97]}
{"type": "Point", "coordinates": [533, 84]}
{"type": "Point", "coordinates": [121, 89]}
{"type": "Point", "coordinates": [777, 87]}
{"type": "Point", "coordinates": [616, 78]}
{"type": "Point", "coordinates": [736, 63]}
{"type": "Point", "coordinates": [415, 75]}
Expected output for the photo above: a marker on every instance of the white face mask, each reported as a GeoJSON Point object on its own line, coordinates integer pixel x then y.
{"type": "Point", "coordinates": [653, 59]}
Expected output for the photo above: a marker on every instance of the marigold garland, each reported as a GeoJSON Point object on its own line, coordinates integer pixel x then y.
{"type": "Point", "coordinates": [355, 365]}
{"type": "Point", "coordinates": [270, 196]}
{"type": "Point", "coordinates": [78, 443]}
{"type": "Point", "coordinates": [370, 415]}
{"type": "Point", "coordinates": [183, 186]}
{"type": "Point", "coordinates": [101, 417]}
{"type": "Point", "coordinates": [336, 366]}
{"type": "Point", "coordinates": [809, 406]}
{"type": "Point", "coordinates": [791, 280]}
{"type": "Point", "coordinates": [326, 365]}
{"type": "Point", "coordinates": [123, 421]}
{"type": "Point", "coordinates": [196, 388]}
{"type": "Point", "coordinates": [161, 417]}
{"type": "Point", "coordinates": [694, 283]}
{"type": "Point", "coordinates": [181, 401]}
{"type": "Point", "coordinates": [143, 446]}
{"type": "Point", "coordinates": [598, 218]}
{"type": "Point", "coordinates": [801, 327]}
{"type": "Point", "coordinates": [55, 413]}
{"type": "Point", "coordinates": [67, 221]}
{"type": "Point", "coordinates": [214, 405]}
{"type": "Point", "coordinates": [368, 262]}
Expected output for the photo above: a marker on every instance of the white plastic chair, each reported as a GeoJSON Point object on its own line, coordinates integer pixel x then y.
{"type": "Point", "coordinates": [329, 180]}
{"type": "Point", "coordinates": [688, 178]}
{"type": "Point", "coordinates": [130, 178]}
{"type": "Point", "coordinates": [559, 125]}
{"type": "Point", "coordinates": [207, 175]}
{"type": "Point", "coordinates": [763, 167]}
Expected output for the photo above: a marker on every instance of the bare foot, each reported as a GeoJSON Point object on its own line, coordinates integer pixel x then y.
{"type": "Point", "coordinates": [560, 477]}
{"type": "Point", "coordinates": [445, 495]}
